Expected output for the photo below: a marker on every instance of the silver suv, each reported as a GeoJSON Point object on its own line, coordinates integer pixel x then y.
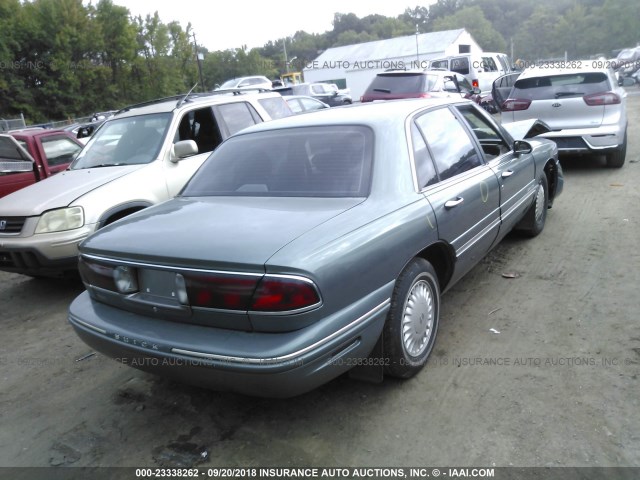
{"type": "Point", "coordinates": [142, 156]}
{"type": "Point", "coordinates": [584, 107]}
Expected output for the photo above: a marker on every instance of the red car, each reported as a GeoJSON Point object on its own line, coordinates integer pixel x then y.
{"type": "Point", "coordinates": [30, 155]}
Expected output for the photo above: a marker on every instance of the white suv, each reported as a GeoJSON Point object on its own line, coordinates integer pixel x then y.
{"type": "Point", "coordinates": [141, 156]}
{"type": "Point", "coordinates": [584, 107]}
{"type": "Point", "coordinates": [481, 69]}
{"type": "Point", "coordinates": [255, 82]}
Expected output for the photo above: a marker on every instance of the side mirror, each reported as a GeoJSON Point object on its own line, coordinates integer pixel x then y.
{"type": "Point", "coordinates": [183, 149]}
{"type": "Point", "coordinates": [626, 81]}
{"type": "Point", "coordinates": [521, 147]}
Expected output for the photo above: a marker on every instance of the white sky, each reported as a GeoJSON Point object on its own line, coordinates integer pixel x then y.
{"type": "Point", "coordinates": [220, 25]}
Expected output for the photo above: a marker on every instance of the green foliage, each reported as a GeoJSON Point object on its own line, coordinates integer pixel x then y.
{"type": "Point", "coordinates": [476, 24]}
{"type": "Point", "coordinates": [67, 58]}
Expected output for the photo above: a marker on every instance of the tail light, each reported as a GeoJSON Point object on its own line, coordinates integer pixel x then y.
{"type": "Point", "coordinates": [424, 95]}
{"type": "Point", "coordinates": [97, 274]}
{"type": "Point", "coordinates": [515, 104]}
{"type": "Point", "coordinates": [475, 83]}
{"type": "Point", "coordinates": [282, 293]}
{"type": "Point", "coordinates": [217, 290]}
{"type": "Point", "coordinates": [602, 98]}
{"type": "Point", "coordinates": [116, 278]}
{"type": "Point", "coordinates": [269, 293]}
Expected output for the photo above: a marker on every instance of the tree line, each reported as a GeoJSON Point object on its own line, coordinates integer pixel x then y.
{"type": "Point", "coordinates": [61, 59]}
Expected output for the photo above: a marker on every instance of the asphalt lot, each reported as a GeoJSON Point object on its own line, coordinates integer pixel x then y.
{"type": "Point", "coordinates": [537, 370]}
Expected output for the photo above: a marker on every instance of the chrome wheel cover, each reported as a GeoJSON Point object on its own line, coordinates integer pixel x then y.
{"type": "Point", "coordinates": [418, 318]}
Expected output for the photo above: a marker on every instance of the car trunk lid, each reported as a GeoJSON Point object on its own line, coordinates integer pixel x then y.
{"type": "Point", "coordinates": [224, 233]}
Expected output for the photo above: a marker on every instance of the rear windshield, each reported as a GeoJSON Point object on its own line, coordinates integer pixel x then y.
{"type": "Point", "coordinates": [460, 65]}
{"type": "Point", "coordinates": [296, 162]}
{"type": "Point", "coordinates": [401, 83]}
{"type": "Point", "coordinates": [276, 107]}
{"type": "Point", "coordinates": [561, 86]}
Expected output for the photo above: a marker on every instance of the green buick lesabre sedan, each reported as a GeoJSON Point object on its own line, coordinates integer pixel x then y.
{"type": "Point", "coordinates": [314, 245]}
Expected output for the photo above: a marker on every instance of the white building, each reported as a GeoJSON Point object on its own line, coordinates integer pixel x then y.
{"type": "Point", "coordinates": [354, 66]}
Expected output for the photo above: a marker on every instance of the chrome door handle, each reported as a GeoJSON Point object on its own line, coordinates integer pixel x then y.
{"type": "Point", "coordinates": [454, 203]}
{"type": "Point", "coordinates": [507, 173]}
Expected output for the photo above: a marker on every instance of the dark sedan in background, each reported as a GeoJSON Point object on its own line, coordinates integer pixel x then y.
{"type": "Point", "coordinates": [308, 246]}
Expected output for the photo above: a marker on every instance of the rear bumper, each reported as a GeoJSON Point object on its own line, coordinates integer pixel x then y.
{"type": "Point", "coordinates": [278, 365]}
{"type": "Point", "coordinates": [588, 140]}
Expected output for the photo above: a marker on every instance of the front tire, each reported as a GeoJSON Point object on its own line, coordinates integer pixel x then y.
{"type": "Point", "coordinates": [533, 222]}
{"type": "Point", "coordinates": [412, 322]}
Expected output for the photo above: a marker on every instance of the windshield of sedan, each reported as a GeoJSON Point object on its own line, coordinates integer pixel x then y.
{"type": "Point", "coordinates": [125, 141]}
{"type": "Point", "coordinates": [296, 162]}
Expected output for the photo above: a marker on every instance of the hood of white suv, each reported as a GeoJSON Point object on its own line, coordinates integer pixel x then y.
{"type": "Point", "coordinates": [60, 190]}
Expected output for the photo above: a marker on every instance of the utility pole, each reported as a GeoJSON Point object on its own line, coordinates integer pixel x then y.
{"type": "Point", "coordinates": [417, 50]}
{"type": "Point", "coordinates": [286, 59]}
{"type": "Point", "coordinates": [199, 59]}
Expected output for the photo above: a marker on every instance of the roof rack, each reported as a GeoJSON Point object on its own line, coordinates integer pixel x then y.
{"type": "Point", "coordinates": [183, 98]}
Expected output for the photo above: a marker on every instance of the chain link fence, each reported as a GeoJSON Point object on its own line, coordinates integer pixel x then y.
{"type": "Point", "coordinates": [12, 124]}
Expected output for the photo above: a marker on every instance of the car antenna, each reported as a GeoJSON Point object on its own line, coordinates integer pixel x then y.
{"type": "Point", "coordinates": [182, 100]}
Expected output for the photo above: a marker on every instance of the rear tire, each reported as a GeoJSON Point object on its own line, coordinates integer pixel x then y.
{"type": "Point", "coordinates": [412, 322]}
{"type": "Point", "coordinates": [616, 158]}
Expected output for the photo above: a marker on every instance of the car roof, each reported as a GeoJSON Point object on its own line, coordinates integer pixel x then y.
{"type": "Point", "coordinates": [290, 97]}
{"type": "Point", "coordinates": [244, 78]}
{"type": "Point", "coordinates": [374, 113]}
{"type": "Point", "coordinates": [571, 67]}
{"type": "Point", "coordinates": [166, 105]}
{"type": "Point", "coordinates": [36, 132]}
{"type": "Point", "coordinates": [390, 73]}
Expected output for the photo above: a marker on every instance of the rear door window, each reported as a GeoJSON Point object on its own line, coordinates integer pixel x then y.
{"type": "Point", "coordinates": [449, 143]}
{"type": "Point", "coordinates": [238, 116]}
{"type": "Point", "coordinates": [425, 170]}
